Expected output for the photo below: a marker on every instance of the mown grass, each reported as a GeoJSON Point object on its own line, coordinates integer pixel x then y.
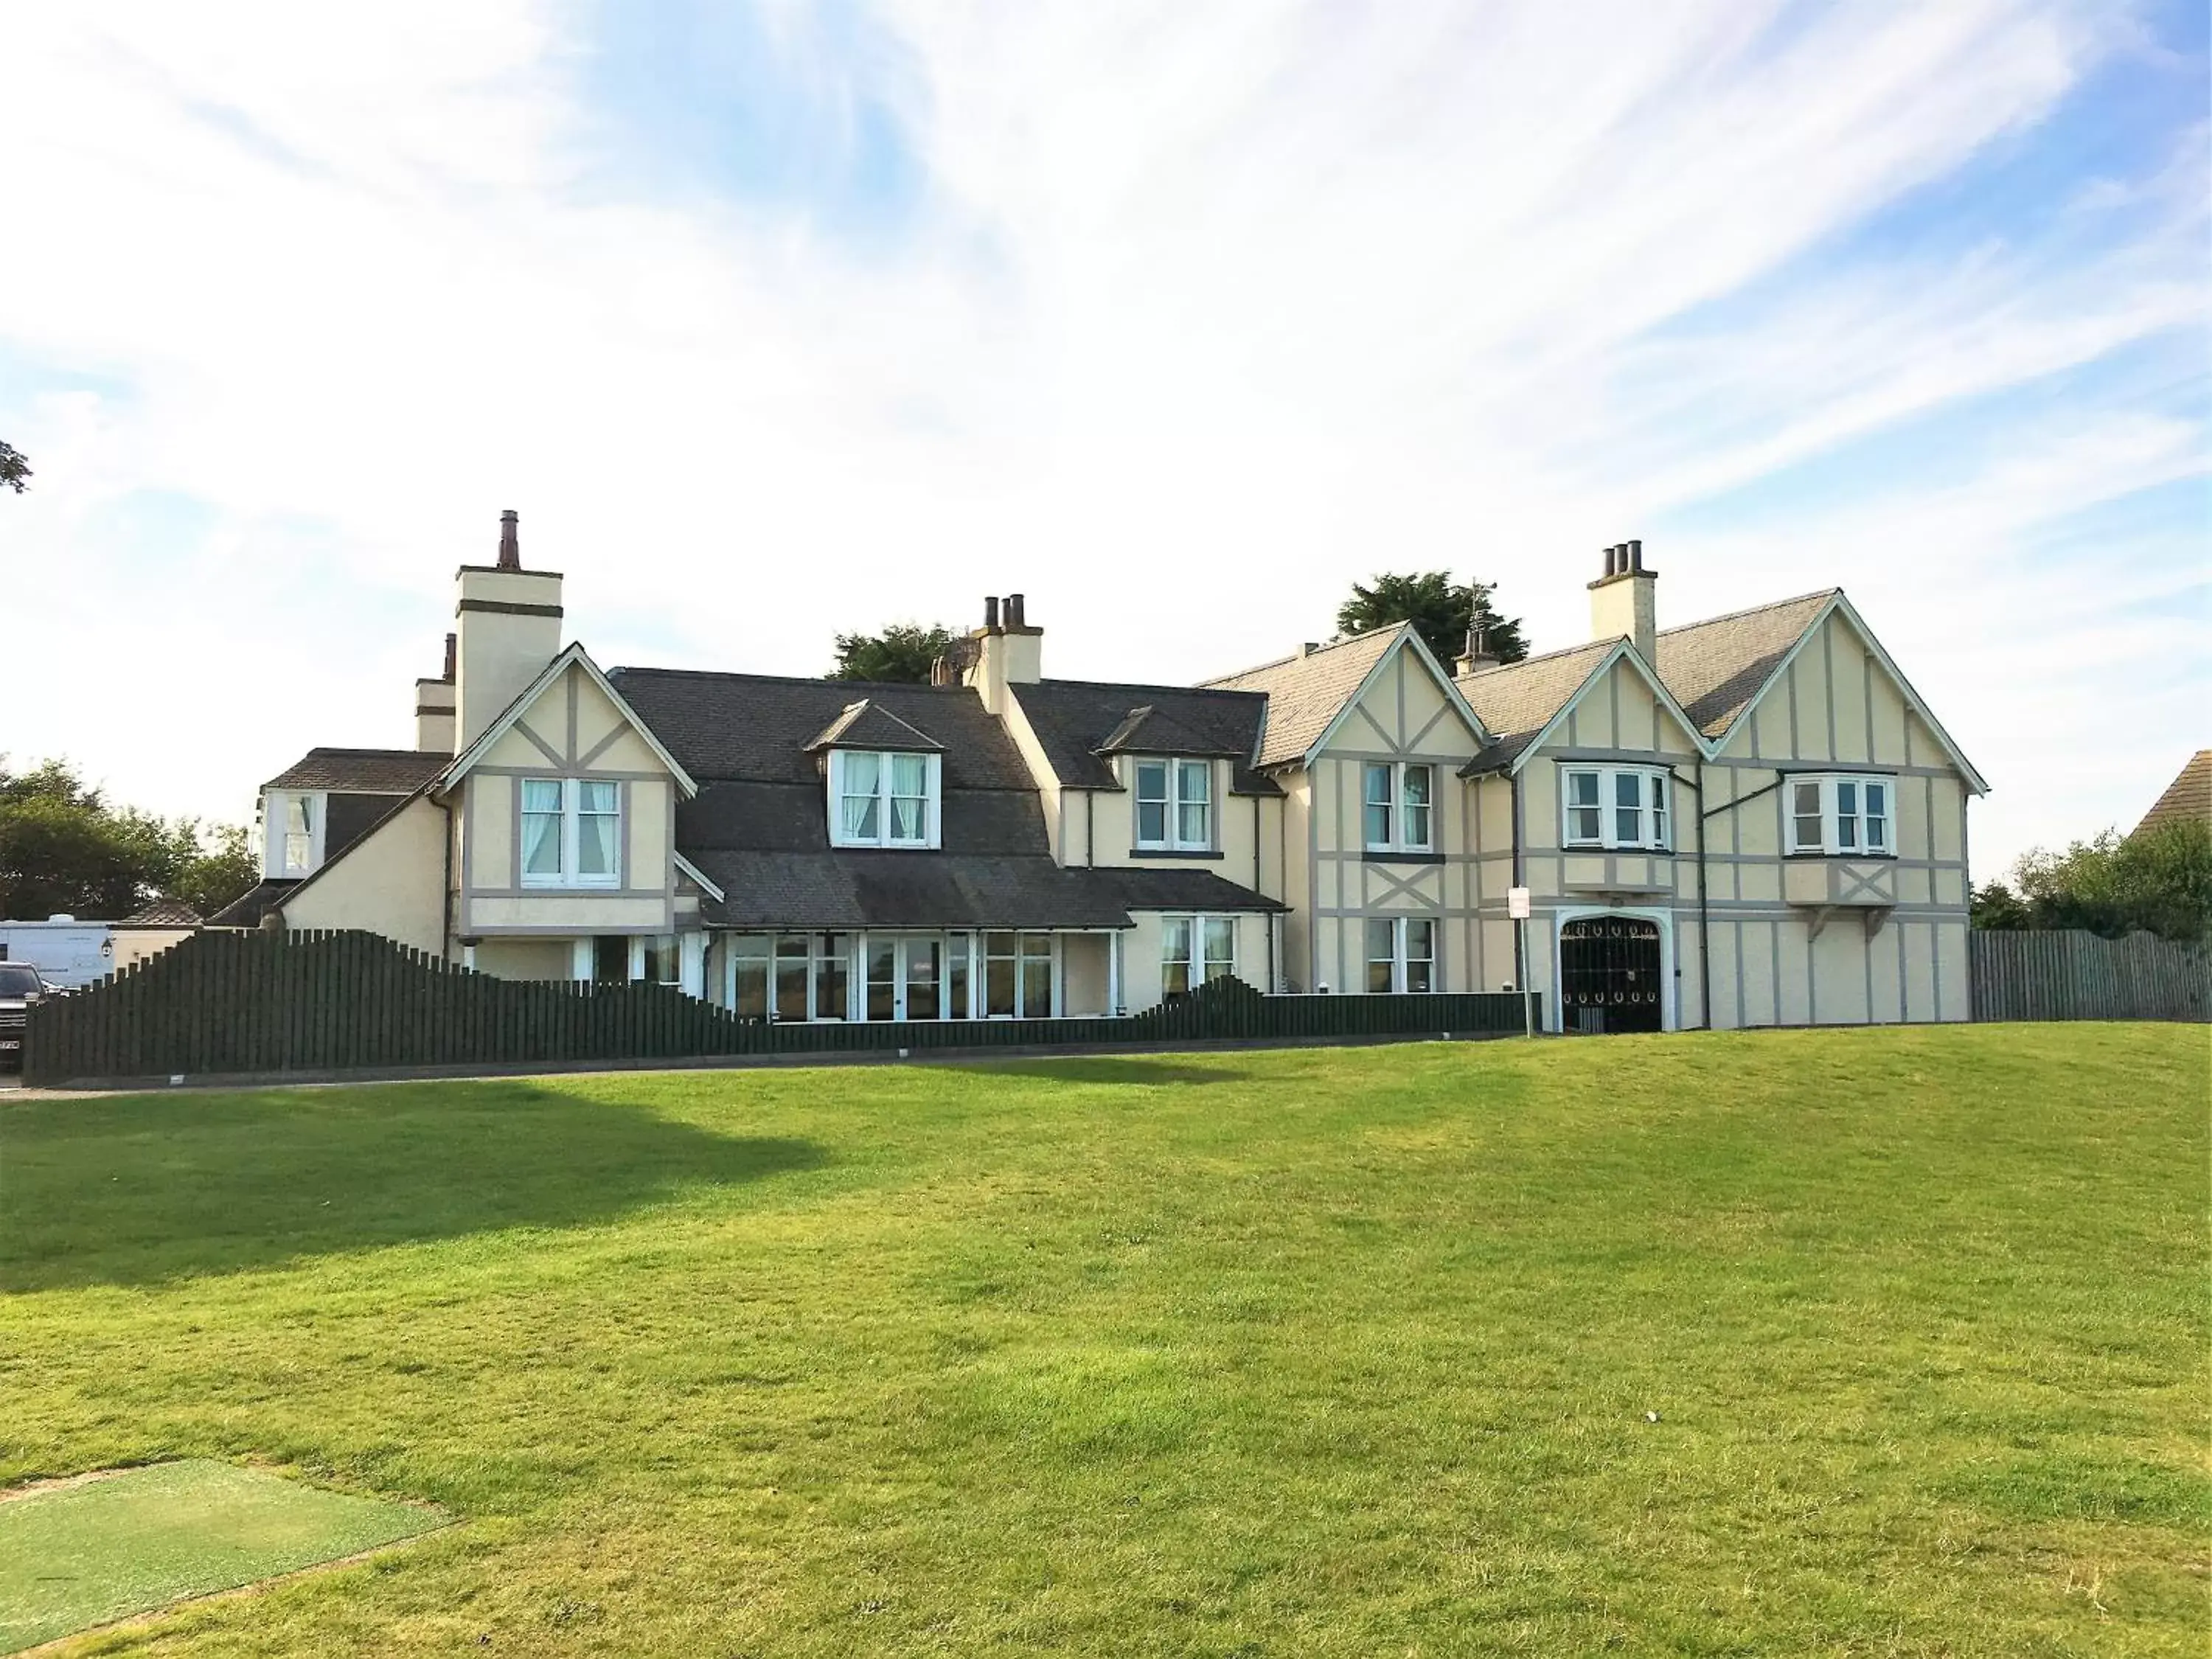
{"type": "Point", "coordinates": [1303, 1352]}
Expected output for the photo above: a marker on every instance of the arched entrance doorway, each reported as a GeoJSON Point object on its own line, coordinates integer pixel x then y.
{"type": "Point", "coordinates": [1609, 975]}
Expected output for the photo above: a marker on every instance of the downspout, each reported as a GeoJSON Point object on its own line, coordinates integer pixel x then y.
{"type": "Point", "coordinates": [1520, 879]}
{"type": "Point", "coordinates": [1705, 907]}
{"type": "Point", "coordinates": [446, 895]}
{"type": "Point", "coordinates": [1705, 816]}
{"type": "Point", "coordinates": [1090, 829]}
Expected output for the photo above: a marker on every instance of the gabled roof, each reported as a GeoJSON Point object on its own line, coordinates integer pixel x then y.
{"type": "Point", "coordinates": [256, 902]}
{"type": "Point", "coordinates": [572, 656]}
{"type": "Point", "coordinates": [1717, 667]}
{"type": "Point", "coordinates": [868, 725]}
{"type": "Point", "coordinates": [361, 771]}
{"type": "Point", "coordinates": [1078, 722]}
{"type": "Point", "coordinates": [1516, 700]}
{"type": "Point", "coordinates": [1306, 693]}
{"type": "Point", "coordinates": [2189, 797]}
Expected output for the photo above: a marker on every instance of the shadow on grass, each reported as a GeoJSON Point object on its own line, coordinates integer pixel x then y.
{"type": "Point", "coordinates": [136, 1189]}
{"type": "Point", "coordinates": [1153, 1070]}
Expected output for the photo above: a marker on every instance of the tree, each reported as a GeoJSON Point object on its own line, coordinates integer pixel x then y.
{"type": "Point", "coordinates": [1996, 906]}
{"type": "Point", "coordinates": [14, 468]}
{"type": "Point", "coordinates": [64, 849]}
{"type": "Point", "coordinates": [2158, 879]}
{"type": "Point", "coordinates": [1441, 609]}
{"type": "Point", "coordinates": [901, 654]}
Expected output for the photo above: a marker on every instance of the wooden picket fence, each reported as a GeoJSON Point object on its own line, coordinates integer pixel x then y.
{"type": "Point", "coordinates": [330, 1000]}
{"type": "Point", "coordinates": [2074, 974]}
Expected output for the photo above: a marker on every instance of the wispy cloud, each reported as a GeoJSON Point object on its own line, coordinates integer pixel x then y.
{"type": "Point", "coordinates": [777, 319]}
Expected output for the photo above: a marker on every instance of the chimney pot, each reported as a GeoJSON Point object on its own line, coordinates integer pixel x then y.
{"type": "Point", "coordinates": [510, 541]}
{"type": "Point", "coordinates": [453, 656]}
{"type": "Point", "coordinates": [1014, 611]}
{"type": "Point", "coordinates": [1635, 555]}
{"type": "Point", "coordinates": [991, 612]}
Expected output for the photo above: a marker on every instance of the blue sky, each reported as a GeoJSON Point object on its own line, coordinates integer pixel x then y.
{"type": "Point", "coordinates": [776, 321]}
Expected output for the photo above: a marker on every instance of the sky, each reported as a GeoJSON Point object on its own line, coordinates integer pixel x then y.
{"type": "Point", "coordinates": [774, 321]}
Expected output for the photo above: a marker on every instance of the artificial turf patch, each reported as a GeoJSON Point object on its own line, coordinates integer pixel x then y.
{"type": "Point", "coordinates": [82, 1554]}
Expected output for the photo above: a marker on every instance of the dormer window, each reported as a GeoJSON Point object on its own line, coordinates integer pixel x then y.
{"type": "Point", "coordinates": [294, 823]}
{"type": "Point", "coordinates": [886, 797]}
{"type": "Point", "coordinates": [1175, 805]}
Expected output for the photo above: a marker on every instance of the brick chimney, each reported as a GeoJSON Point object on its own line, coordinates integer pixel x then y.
{"type": "Point", "coordinates": [509, 623]}
{"type": "Point", "coordinates": [1007, 650]}
{"type": "Point", "coordinates": [1621, 600]}
{"type": "Point", "coordinates": [433, 706]}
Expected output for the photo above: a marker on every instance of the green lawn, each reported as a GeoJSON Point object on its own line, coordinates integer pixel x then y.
{"type": "Point", "coordinates": [1299, 1353]}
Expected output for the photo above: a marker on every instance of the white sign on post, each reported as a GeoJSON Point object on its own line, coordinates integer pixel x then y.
{"type": "Point", "coordinates": [1518, 909]}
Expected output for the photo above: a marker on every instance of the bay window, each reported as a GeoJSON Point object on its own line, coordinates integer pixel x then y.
{"type": "Point", "coordinates": [1616, 806]}
{"type": "Point", "coordinates": [1842, 817]}
{"type": "Point", "coordinates": [1194, 949]}
{"type": "Point", "coordinates": [571, 832]}
{"type": "Point", "coordinates": [1401, 954]}
{"type": "Point", "coordinates": [1398, 804]}
{"type": "Point", "coordinates": [1175, 805]}
{"type": "Point", "coordinates": [885, 798]}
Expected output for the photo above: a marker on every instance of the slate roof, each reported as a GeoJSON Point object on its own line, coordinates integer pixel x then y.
{"type": "Point", "coordinates": [1517, 700]}
{"type": "Point", "coordinates": [249, 907]}
{"type": "Point", "coordinates": [851, 889]}
{"type": "Point", "coordinates": [759, 827]}
{"type": "Point", "coordinates": [758, 726]}
{"type": "Point", "coordinates": [868, 725]}
{"type": "Point", "coordinates": [162, 913]}
{"type": "Point", "coordinates": [1075, 720]}
{"type": "Point", "coordinates": [2189, 796]}
{"type": "Point", "coordinates": [361, 771]}
{"type": "Point", "coordinates": [1716, 667]}
{"type": "Point", "coordinates": [1304, 693]}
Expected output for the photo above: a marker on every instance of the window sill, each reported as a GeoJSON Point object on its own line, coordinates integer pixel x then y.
{"type": "Point", "coordinates": [1176, 852]}
{"type": "Point", "coordinates": [1401, 855]}
{"type": "Point", "coordinates": [571, 886]}
{"type": "Point", "coordinates": [1855, 858]}
{"type": "Point", "coordinates": [1587, 848]}
{"type": "Point", "coordinates": [883, 847]}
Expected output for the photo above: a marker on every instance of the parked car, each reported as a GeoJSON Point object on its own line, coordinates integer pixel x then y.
{"type": "Point", "coordinates": [21, 985]}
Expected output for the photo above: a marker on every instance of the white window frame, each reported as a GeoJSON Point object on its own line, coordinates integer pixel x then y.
{"type": "Point", "coordinates": [1199, 960]}
{"type": "Point", "coordinates": [572, 814]}
{"type": "Point", "coordinates": [933, 835]}
{"type": "Point", "coordinates": [1176, 769]}
{"type": "Point", "coordinates": [1399, 807]}
{"type": "Point", "coordinates": [276, 810]}
{"type": "Point", "coordinates": [1401, 937]}
{"type": "Point", "coordinates": [1832, 787]}
{"type": "Point", "coordinates": [1656, 808]}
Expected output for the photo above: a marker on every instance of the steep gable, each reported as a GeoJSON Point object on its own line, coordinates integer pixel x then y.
{"type": "Point", "coordinates": [1716, 668]}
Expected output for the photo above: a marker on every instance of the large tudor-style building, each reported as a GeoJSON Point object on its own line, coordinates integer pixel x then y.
{"type": "Point", "coordinates": [1752, 820]}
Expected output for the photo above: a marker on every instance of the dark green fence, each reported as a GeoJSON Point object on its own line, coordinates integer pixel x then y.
{"type": "Point", "coordinates": [223, 1003]}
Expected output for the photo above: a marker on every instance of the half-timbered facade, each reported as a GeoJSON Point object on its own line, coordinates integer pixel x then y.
{"type": "Point", "coordinates": [1750, 820]}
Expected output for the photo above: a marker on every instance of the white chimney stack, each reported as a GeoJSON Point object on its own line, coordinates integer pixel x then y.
{"type": "Point", "coordinates": [509, 621]}
{"type": "Point", "coordinates": [1622, 603]}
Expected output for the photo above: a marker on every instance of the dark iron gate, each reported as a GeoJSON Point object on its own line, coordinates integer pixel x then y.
{"type": "Point", "coordinates": [1609, 975]}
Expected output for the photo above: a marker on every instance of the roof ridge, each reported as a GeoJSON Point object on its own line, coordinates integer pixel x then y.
{"type": "Point", "coordinates": [1750, 611]}
{"type": "Point", "coordinates": [1202, 689]}
{"type": "Point", "coordinates": [1606, 643]}
{"type": "Point", "coordinates": [860, 689]}
{"type": "Point", "coordinates": [1215, 683]}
